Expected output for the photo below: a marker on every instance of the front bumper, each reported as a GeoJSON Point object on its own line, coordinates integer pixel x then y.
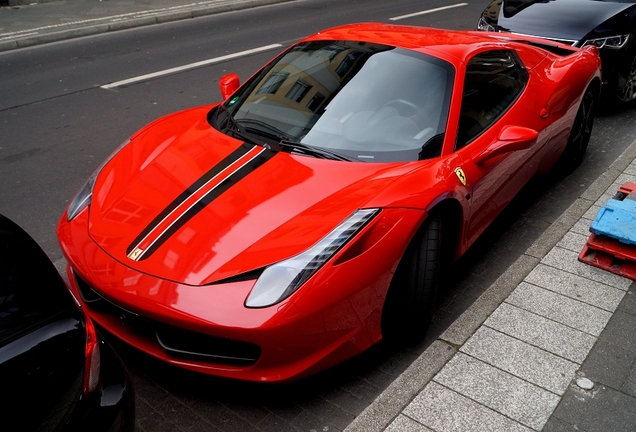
{"type": "Point", "coordinates": [207, 329]}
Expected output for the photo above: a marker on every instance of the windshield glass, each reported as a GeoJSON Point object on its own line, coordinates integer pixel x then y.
{"type": "Point", "coordinates": [369, 102]}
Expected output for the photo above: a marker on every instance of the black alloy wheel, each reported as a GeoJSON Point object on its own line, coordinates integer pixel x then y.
{"type": "Point", "coordinates": [626, 90]}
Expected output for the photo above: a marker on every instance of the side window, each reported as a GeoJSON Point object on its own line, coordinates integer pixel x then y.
{"type": "Point", "coordinates": [494, 79]}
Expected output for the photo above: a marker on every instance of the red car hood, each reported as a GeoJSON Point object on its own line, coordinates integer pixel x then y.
{"type": "Point", "coordinates": [187, 203]}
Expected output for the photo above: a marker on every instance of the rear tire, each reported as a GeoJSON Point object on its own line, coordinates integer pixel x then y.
{"type": "Point", "coordinates": [409, 305]}
{"type": "Point", "coordinates": [626, 86]}
{"type": "Point", "coordinates": [580, 133]}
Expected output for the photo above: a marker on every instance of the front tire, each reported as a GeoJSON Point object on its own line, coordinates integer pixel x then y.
{"type": "Point", "coordinates": [409, 305]}
{"type": "Point", "coordinates": [580, 133]}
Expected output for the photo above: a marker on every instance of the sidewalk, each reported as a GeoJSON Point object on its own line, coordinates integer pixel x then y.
{"type": "Point", "coordinates": [550, 346]}
{"type": "Point", "coordinates": [39, 23]}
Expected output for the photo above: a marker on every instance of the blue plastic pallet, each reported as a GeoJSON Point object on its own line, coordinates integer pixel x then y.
{"type": "Point", "coordinates": [617, 218]}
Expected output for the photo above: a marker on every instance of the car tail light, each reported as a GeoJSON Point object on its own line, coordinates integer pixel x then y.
{"type": "Point", "coordinates": [91, 359]}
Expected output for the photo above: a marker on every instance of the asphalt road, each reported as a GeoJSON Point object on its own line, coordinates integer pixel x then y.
{"type": "Point", "coordinates": [57, 124]}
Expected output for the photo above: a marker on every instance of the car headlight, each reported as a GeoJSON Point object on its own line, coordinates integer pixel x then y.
{"type": "Point", "coordinates": [85, 194]}
{"type": "Point", "coordinates": [484, 25]}
{"type": "Point", "coordinates": [282, 279]}
{"type": "Point", "coordinates": [613, 42]}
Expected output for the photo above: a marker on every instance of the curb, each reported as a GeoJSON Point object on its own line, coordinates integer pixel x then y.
{"type": "Point", "coordinates": [388, 405]}
{"type": "Point", "coordinates": [232, 5]}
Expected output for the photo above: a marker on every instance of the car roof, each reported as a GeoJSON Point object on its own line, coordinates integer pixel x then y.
{"type": "Point", "coordinates": [458, 44]}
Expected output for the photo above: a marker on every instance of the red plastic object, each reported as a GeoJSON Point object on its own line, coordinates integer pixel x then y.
{"type": "Point", "coordinates": [611, 255]}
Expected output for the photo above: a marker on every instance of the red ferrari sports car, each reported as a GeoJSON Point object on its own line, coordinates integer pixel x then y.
{"type": "Point", "coordinates": [308, 216]}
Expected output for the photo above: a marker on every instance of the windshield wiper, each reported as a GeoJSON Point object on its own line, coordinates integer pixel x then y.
{"type": "Point", "coordinates": [233, 127]}
{"type": "Point", "coordinates": [283, 141]}
{"type": "Point", "coordinates": [314, 151]}
{"type": "Point", "coordinates": [278, 138]}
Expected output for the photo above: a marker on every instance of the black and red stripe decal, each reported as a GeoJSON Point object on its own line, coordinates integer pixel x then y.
{"type": "Point", "coordinates": [196, 197]}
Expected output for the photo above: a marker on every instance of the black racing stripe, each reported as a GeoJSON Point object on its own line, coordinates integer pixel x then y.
{"type": "Point", "coordinates": [230, 159]}
{"type": "Point", "coordinates": [207, 199]}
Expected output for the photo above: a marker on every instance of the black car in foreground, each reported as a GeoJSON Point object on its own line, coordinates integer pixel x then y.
{"type": "Point", "coordinates": [608, 24]}
{"type": "Point", "coordinates": [56, 373]}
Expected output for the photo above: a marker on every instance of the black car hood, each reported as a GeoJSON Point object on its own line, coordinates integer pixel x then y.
{"type": "Point", "coordinates": [555, 19]}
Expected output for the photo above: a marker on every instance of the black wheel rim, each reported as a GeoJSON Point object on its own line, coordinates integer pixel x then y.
{"type": "Point", "coordinates": [582, 128]}
{"type": "Point", "coordinates": [627, 90]}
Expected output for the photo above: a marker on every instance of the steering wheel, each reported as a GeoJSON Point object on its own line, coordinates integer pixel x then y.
{"type": "Point", "coordinates": [404, 107]}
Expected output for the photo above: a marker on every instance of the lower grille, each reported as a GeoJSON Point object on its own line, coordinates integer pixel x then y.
{"type": "Point", "coordinates": [178, 342]}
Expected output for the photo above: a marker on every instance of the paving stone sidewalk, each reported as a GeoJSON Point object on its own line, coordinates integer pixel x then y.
{"type": "Point", "coordinates": [558, 354]}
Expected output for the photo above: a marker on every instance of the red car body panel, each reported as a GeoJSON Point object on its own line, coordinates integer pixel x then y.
{"type": "Point", "coordinates": [286, 205]}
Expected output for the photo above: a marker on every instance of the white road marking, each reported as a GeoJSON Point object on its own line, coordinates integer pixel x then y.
{"type": "Point", "coordinates": [190, 66]}
{"type": "Point", "coordinates": [427, 11]}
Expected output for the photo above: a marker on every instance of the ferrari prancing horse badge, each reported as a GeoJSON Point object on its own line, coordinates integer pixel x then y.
{"type": "Point", "coordinates": [460, 175]}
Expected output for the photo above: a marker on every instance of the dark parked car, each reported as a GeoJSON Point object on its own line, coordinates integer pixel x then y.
{"type": "Point", "coordinates": [608, 24]}
{"type": "Point", "coordinates": [57, 374]}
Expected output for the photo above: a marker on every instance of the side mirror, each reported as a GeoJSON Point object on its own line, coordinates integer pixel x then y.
{"type": "Point", "coordinates": [511, 138]}
{"type": "Point", "coordinates": [228, 84]}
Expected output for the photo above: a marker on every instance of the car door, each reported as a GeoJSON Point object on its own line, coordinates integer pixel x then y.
{"type": "Point", "coordinates": [494, 141]}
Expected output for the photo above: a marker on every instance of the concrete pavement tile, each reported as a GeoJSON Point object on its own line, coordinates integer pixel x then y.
{"type": "Point", "coordinates": [558, 229]}
{"type": "Point", "coordinates": [629, 386]}
{"type": "Point", "coordinates": [608, 364]}
{"type": "Point", "coordinates": [582, 227]}
{"type": "Point", "coordinates": [620, 331]}
{"type": "Point", "coordinates": [607, 195]}
{"type": "Point", "coordinates": [600, 185]}
{"type": "Point", "coordinates": [558, 425]}
{"type": "Point", "coordinates": [628, 305]}
{"type": "Point", "coordinates": [443, 409]}
{"type": "Point", "coordinates": [403, 423]}
{"type": "Point", "coordinates": [560, 308]}
{"type": "Point", "coordinates": [521, 359]}
{"type": "Point", "coordinates": [625, 177]}
{"type": "Point", "coordinates": [271, 423]}
{"type": "Point", "coordinates": [631, 169]}
{"type": "Point", "coordinates": [511, 396]}
{"type": "Point", "coordinates": [549, 238]}
{"type": "Point", "coordinates": [568, 261]}
{"type": "Point", "coordinates": [591, 213]}
{"type": "Point", "coordinates": [177, 413]}
{"type": "Point", "coordinates": [573, 213]}
{"type": "Point", "coordinates": [200, 426]}
{"type": "Point", "coordinates": [573, 241]}
{"type": "Point", "coordinates": [401, 392]}
{"type": "Point", "coordinates": [306, 421]}
{"type": "Point", "coordinates": [589, 411]}
{"type": "Point", "coordinates": [464, 326]}
{"type": "Point", "coordinates": [541, 332]}
{"type": "Point", "coordinates": [576, 287]}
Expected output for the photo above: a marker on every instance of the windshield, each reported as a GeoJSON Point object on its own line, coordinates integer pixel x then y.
{"type": "Point", "coordinates": [368, 102]}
